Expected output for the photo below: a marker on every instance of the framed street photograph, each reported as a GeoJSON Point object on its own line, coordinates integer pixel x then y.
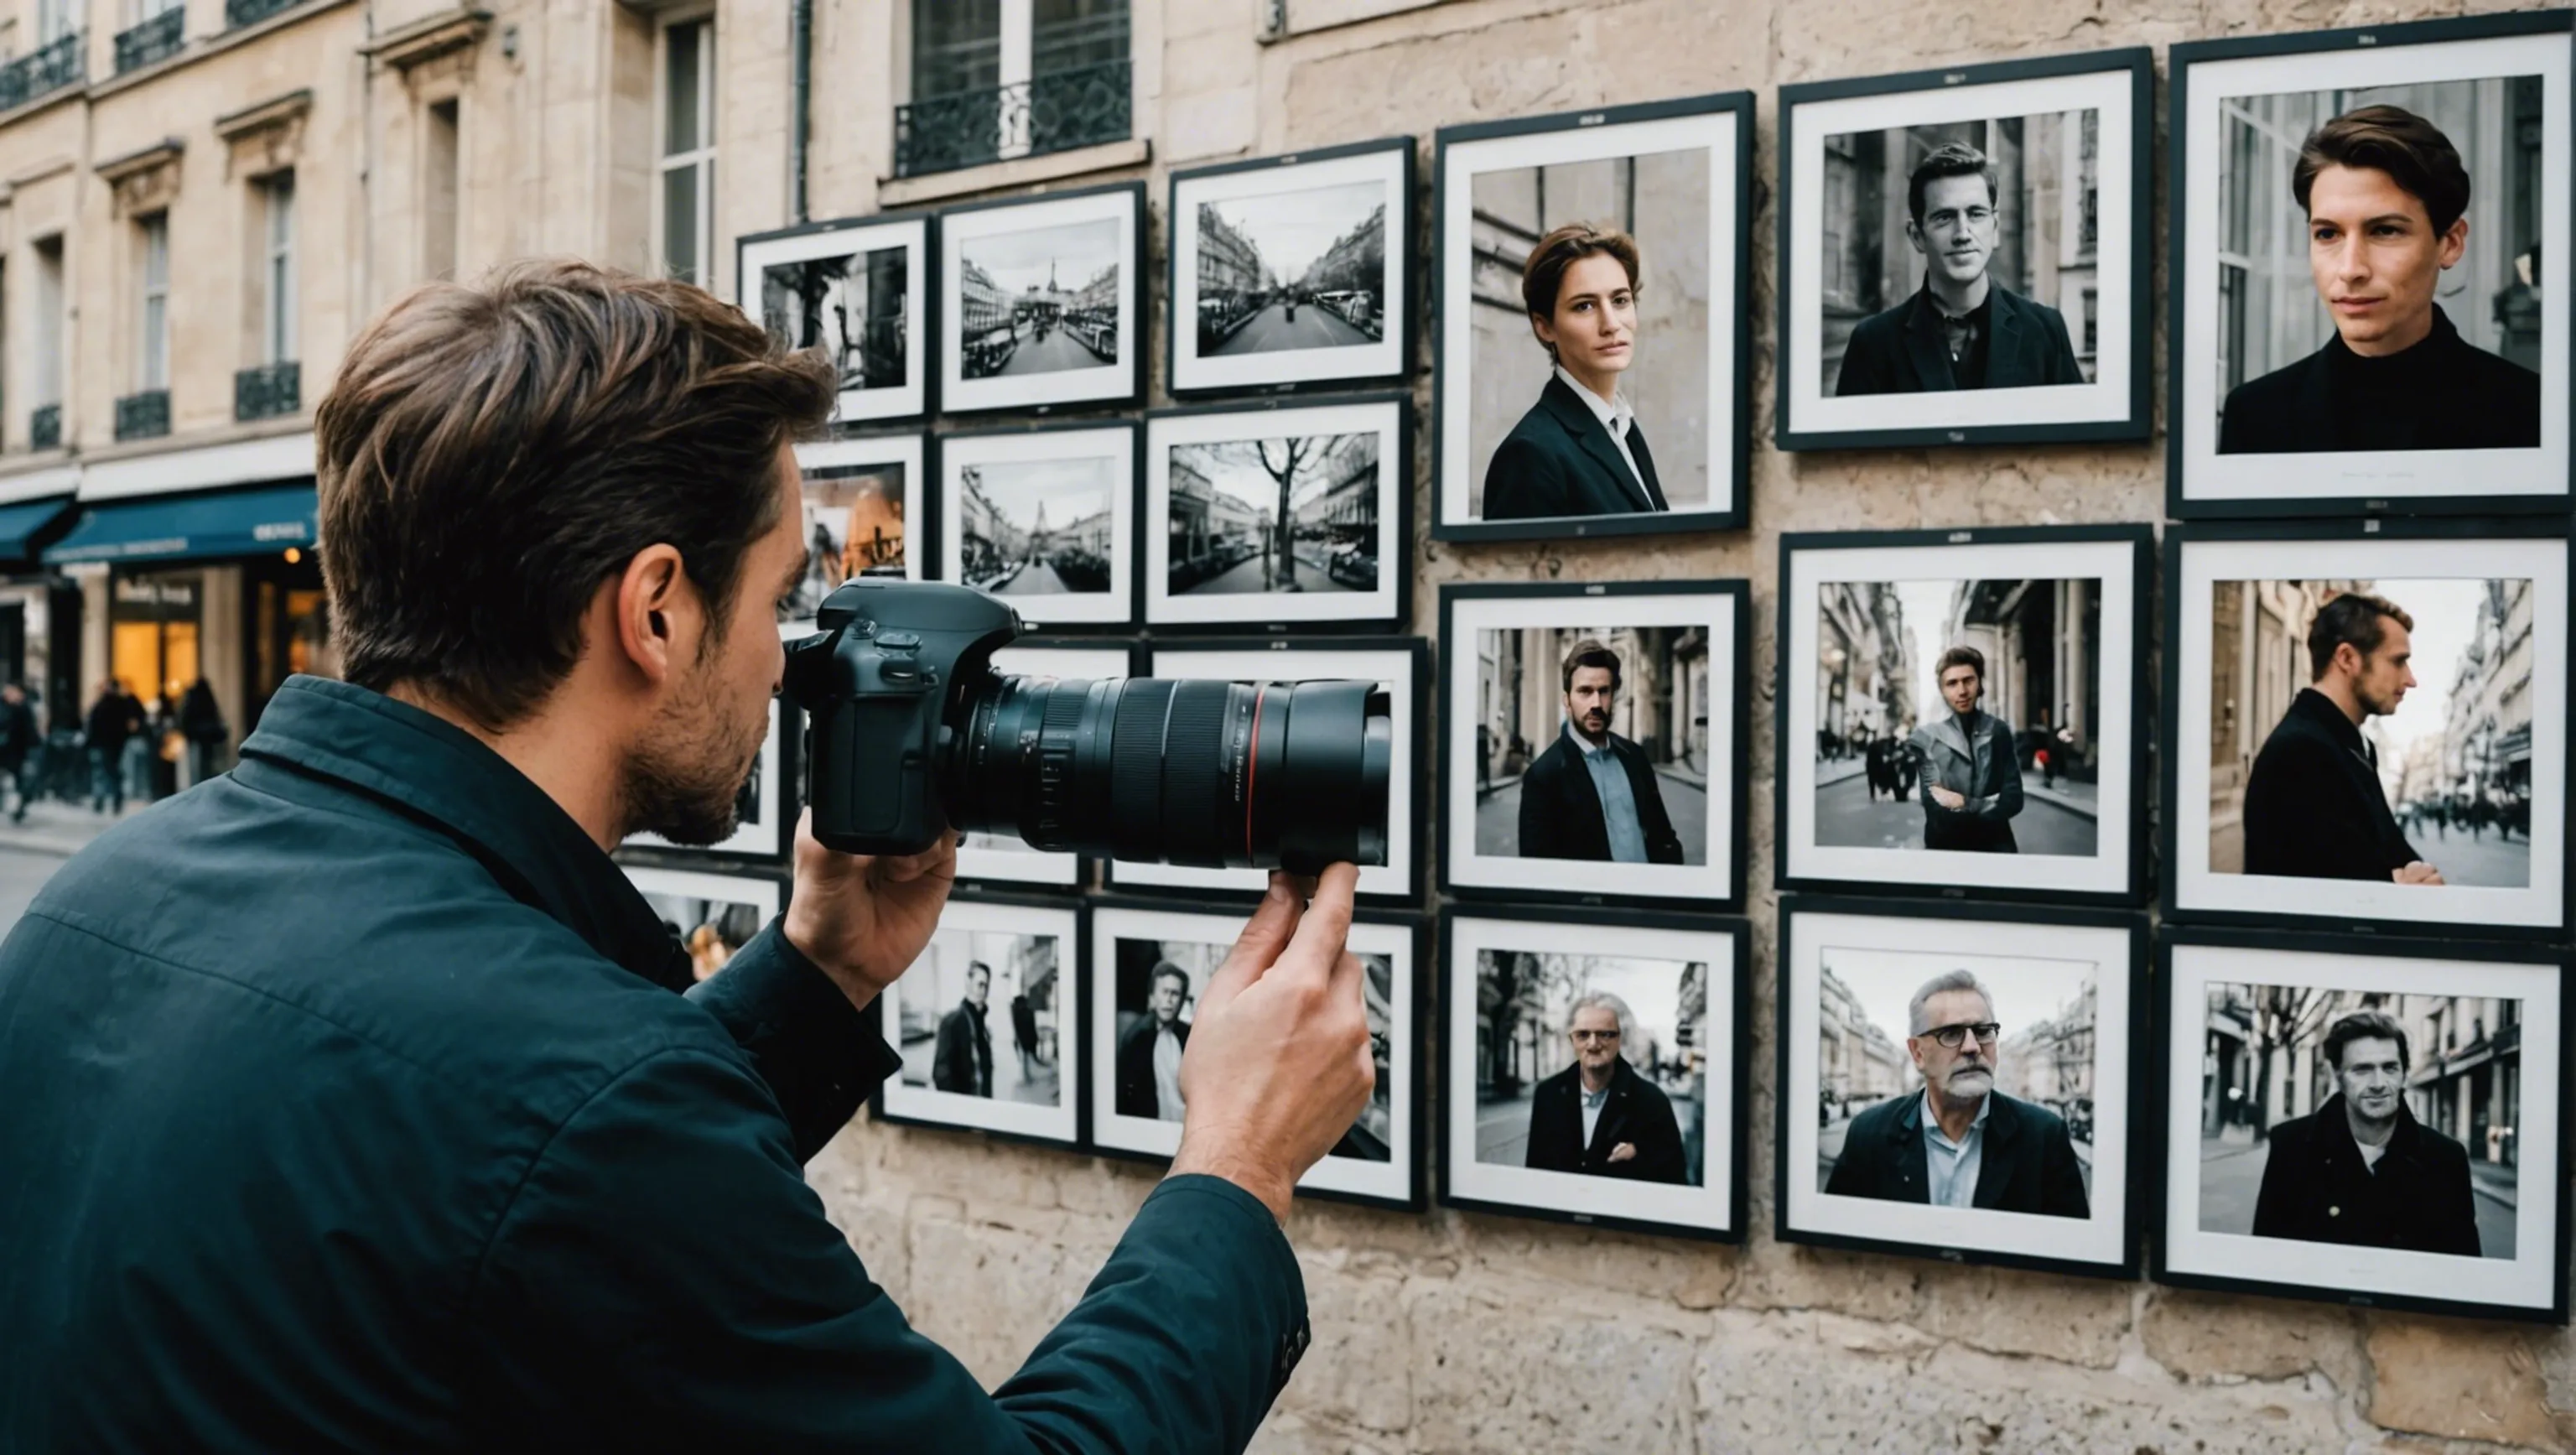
{"type": "Point", "coordinates": [1616, 403]}
{"type": "Point", "coordinates": [863, 512]}
{"type": "Point", "coordinates": [988, 1023]}
{"type": "Point", "coordinates": [1006, 857]}
{"type": "Point", "coordinates": [1041, 518]}
{"type": "Point", "coordinates": [2364, 275]}
{"type": "Point", "coordinates": [1039, 301]}
{"type": "Point", "coordinates": [1396, 665]}
{"type": "Point", "coordinates": [710, 916]}
{"type": "Point", "coordinates": [1593, 741]}
{"type": "Point", "coordinates": [765, 810]}
{"type": "Point", "coordinates": [857, 289]}
{"type": "Point", "coordinates": [1959, 712]}
{"type": "Point", "coordinates": [1279, 516]}
{"type": "Point", "coordinates": [1292, 270]}
{"type": "Point", "coordinates": [2367, 726]}
{"type": "Point", "coordinates": [1592, 1068]}
{"type": "Point", "coordinates": [2364, 1121]}
{"type": "Point", "coordinates": [1152, 965]}
{"type": "Point", "coordinates": [1964, 254]}
{"type": "Point", "coordinates": [1957, 1081]}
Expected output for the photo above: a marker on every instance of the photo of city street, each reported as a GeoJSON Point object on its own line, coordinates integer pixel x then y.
{"type": "Point", "coordinates": [1304, 269]}
{"type": "Point", "coordinates": [1039, 301]}
{"type": "Point", "coordinates": [1878, 649]}
{"type": "Point", "coordinates": [2454, 759]}
{"type": "Point", "coordinates": [1275, 515]}
{"type": "Point", "coordinates": [979, 1015]}
{"type": "Point", "coordinates": [2264, 1064]}
{"type": "Point", "coordinates": [710, 929]}
{"type": "Point", "coordinates": [856, 307]}
{"type": "Point", "coordinates": [853, 521]}
{"type": "Point", "coordinates": [1659, 711]}
{"type": "Point", "coordinates": [1037, 527]}
{"type": "Point", "coordinates": [1525, 1008]}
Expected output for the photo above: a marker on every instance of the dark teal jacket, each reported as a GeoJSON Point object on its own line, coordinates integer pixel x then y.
{"type": "Point", "coordinates": [353, 1104]}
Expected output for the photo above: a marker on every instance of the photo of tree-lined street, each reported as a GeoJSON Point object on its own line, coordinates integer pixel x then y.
{"type": "Point", "coordinates": [1293, 270]}
{"type": "Point", "coordinates": [1297, 513]}
{"type": "Point", "coordinates": [1038, 302]}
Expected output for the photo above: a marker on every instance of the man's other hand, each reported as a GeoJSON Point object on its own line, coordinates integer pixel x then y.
{"type": "Point", "coordinates": [1948, 798]}
{"type": "Point", "coordinates": [865, 919]}
{"type": "Point", "coordinates": [2418, 872]}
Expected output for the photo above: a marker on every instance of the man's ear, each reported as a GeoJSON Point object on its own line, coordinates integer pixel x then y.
{"type": "Point", "coordinates": [2455, 241]}
{"type": "Point", "coordinates": [654, 607]}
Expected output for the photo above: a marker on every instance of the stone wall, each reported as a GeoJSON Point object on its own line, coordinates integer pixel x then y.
{"type": "Point", "coordinates": [1460, 1332]}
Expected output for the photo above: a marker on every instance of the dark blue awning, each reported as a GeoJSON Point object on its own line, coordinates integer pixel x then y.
{"type": "Point", "coordinates": [20, 522]}
{"type": "Point", "coordinates": [189, 527]}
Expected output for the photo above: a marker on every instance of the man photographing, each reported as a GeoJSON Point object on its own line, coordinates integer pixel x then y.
{"type": "Point", "coordinates": [2314, 805]}
{"type": "Point", "coordinates": [378, 1121]}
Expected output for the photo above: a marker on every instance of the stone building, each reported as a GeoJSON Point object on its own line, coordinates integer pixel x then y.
{"type": "Point", "coordinates": [2486, 742]}
{"type": "Point", "coordinates": [2042, 666]}
{"type": "Point", "coordinates": [1858, 1061]}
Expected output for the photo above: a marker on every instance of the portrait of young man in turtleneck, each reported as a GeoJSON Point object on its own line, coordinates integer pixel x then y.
{"type": "Point", "coordinates": [2387, 202]}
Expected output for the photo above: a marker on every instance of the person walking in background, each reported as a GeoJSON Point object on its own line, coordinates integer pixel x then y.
{"type": "Point", "coordinates": [201, 722]}
{"type": "Point", "coordinates": [114, 719]}
{"type": "Point", "coordinates": [18, 745]}
{"type": "Point", "coordinates": [1024, 1036]}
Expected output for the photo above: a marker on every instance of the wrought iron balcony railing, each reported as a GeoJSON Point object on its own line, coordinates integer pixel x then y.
{"type": "Point", "coordinates": [143, 416]}
{"type": "Point", "coordinates": [1055, 112]}
{"type": "Point", "coordinates": [156, 39]}
{"type": "Point", "coordinates": [42, 71]}
{"type": "Point", "coordinates": [238, 13]}
{"type": "Point", "coordinates": [45, 428]}
{"type": "Point", "coordinates": [268, 391]}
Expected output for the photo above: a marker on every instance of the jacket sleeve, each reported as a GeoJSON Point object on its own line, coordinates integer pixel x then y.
{"type": "Point", "coordinates": [1538, 826]}
{"type": "Point", "coordinates": [2061, 1187]}
{"type": "Point", "coordinates": [1660, 1156]}
{"type": "Point", "coordinates": [2275, 1209]}
{"type": "Point", "coordinates": [1524, 483]}
{"type": "Point", "coordinates": [1663, 843]}
{"type": "Point", "coordinates": [2460, 1211]}
{"type": "Point", "coordinates": [2062, 365]}
{"type": "Point", "coordinates": [2005, 802]}
{"type": "Point", "coordinates": [2294, 823]}
{"type": "Point", "coordinates": [808, 1042]}
{"type": "Point", "coordinates": [663, 1278]}
{"type": "Point", "coordinates": [1860, 373]}
{"type": "Point", "coordinates": [1851, 1174]}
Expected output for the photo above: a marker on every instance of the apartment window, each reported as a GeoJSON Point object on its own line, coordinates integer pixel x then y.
{"type": "Point", "coordinates": [152, 354]}
{"type": "Point", "coordinates": [277, 278]}
{"type": "Point", "coordinates": [1008, 78]}
{"type": "Point", "coordinates": [56, 20]}
{"type": "Point", "coordinates": [684, 202]}
{"type": "Point", "coordinates": [45, 390]}
{"type": "Point", "coordinates": [438, 162]}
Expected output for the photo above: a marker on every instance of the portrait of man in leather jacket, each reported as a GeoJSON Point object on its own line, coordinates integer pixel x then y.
{"type": "Point", "coordinates": [1970, 782]}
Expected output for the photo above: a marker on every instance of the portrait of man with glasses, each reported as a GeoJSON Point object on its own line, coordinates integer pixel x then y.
{"type": "Point", "coordinates": [1599, 1116]}
{"type": "Point", "coordinates": [1959, 1142]}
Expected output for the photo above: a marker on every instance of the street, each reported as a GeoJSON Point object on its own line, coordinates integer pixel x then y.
{"type": "Point", "coordinates": [1033, 578]}
{"type": "Point", "coordinates": [2488, 858]}
{"type": "Point", "coordinates": [2231, 1177]}
{"type": "Point", "coordinates": [1007, 1085]}
{"type": "Point", "coordinates": [1498, 816]}
{"type": "Point", "coordinates": [1314, 327]}
{"type": "Point", "coordinates": [1245, 576]}
{"type": "Point", "coordinates": [21, 874]}
{"type": "Point", "coordinates": [1846, 818]}
{"type": "Point", "coordinates": [1058, 350]}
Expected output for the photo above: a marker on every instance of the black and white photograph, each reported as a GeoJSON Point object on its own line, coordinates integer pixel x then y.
{"type": "Point", "coordinates": [2361, 255]}
{"type": "Point", "coordinates": [1040, 518]}
{"type": "Point", "coordinates": [1963, 707]}
{"type": "Point", "coordinates": [2370, 730]}
{"type": "Point", "coordinates": [853, 289]}
{"type": "Point", "coordinates": [987, 1022]}
{"type": "Point", "coordinates": [862, 512]}
{"type": "Point", "coordinates": [1966, 254]}
{"type": "Point", "coordinates": [2363, 1121]}
{"type": "Point", "coordinates": [1271, 516]}
{"type": "Point", "coordinates": [1152, 966]}
{"type": "Point", "coordinates": [1038, 301]}
{"type": "Point", "coordinates": [710, 916]}
{"type": "Point", "coordinates": [1292, 270]}
{"type": "Point", "coordinates": [1957, 1082]}
{"type": "Point", "coordinates": [1005, 857]}
{"type": "Point", "coordinates": [1591, 322]}
{"type": "Point", "coordinates": [1591, 1070]}
{"type": "Point", "coordinates": [1592, 740]}
{"type": "Point", "coordinates": [764, 810]}
{"type": "Point", "coordinates": [1394, 665]}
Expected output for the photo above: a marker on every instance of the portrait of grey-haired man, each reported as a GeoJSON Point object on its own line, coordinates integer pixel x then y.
{"type": "Point", "coordinates": [1598, 1116]}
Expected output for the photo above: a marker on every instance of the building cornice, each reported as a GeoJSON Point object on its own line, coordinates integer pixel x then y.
{"type": "Point", "coordinates": [430, 37]}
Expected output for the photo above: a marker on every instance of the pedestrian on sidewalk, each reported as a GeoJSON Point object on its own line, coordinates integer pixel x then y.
{"type": "Point", "coordinates": [114, 719]}
{"type": "Point", "coordinates": [201, 722]}
{"type": "Point", "coordinates": [18, 744]}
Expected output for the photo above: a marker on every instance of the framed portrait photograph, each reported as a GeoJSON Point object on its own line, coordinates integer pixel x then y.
{"type": "Point", "coordinates": [2367, 726]}
{"type": "Point", "coordinates": [1151, 965]}
{"type": "Point", "coordinates": [988, 1022]}
{"type": "Point", "coordinates": [1959, 712]}
{"type": "Point", "coordinates": [1591, 325]}
{"type": "Point", "coordinates": [1395, 665]}
{"type": "Point", "coordinates": [1006, 857]}
{"type": "Point", "coordinates": [709, 915]}
{"type": "Point", "coordinates": [2362, 275]}
{"type": "Point", "coordinates": [1292, 270]}
{"type": "Point", "coordinates": [1592, 741]}
{"type": "Point", "coordinates": [1592, 1068]}
{"type": "Point", "coordinates": [2364, 1121]}
{"type": "Point", "coordinates": [862, 512]}
{"type": "Point", "coordinates": [1279, 516]}
{"type": "Point", "coordinates": [1957, 1081]}
{"type": "Point", "coordinates": [1964, 254]}
{"type": "Point", "coordinates": [857, 289]}
{"type": "Point", "coordinates": [1038, 301]}
{"type": "Point", "coordinates": [764, 810]}
{"type": "Point", "coordinates": [1041, 518]}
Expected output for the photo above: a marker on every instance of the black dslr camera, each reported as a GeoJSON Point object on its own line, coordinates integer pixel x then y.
{"type": "Point", "coordinates": [910, 732]}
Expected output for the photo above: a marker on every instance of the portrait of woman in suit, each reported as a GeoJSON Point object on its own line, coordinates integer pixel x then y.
{"type": "Point", "coordinates": [1578, 451]}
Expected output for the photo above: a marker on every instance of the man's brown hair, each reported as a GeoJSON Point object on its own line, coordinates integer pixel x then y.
{"type": "Point", "coordinates": [2365, 1025]}
{"type": "Point", "coordinates": [1590, 653]}
{"type": "Point", "coordinates": [1543, 272]}
{"type": "Point", "coordinates": [2353, 617]}
{"type": "Point", "coordinates": [490, 455]}
{"type": "Point", "coordinates": [1968, 657]}
{"type": "Point", "coordinates": [2412, 151]}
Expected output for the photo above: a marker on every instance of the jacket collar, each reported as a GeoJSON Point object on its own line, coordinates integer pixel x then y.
{"type": "Point", "coordinates": [2320, 709]}
{"type": "Point", "coordinates": [436, 772]}
{"type": "Point", "coordinates": [2000, 1117]}
{"type": "Point", "coordinates": [2404, 1140]}
{"type": "Point", "coordinates": [1580, 420]}
{"type": "Point", "coordinates": [1959, 734]}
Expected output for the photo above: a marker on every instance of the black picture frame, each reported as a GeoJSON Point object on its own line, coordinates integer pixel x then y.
{"type": "Point", "coordinates": [977, 869]}
{"type": "Point", "coordinates": [1736, 1056]}
{"type": "Point", "coordinates": [2140, 680]}
{"type": "Point", "coordinates": [2181, 360]}
{"type": "Point", "coordinates": [2175, 902]}
{"type": "Point", "coordinates": [1394, 560]}
{"type": "Point", "coordinates": [1080, 960]}
{"type": "Point", "coordinates": [2158, 1131]}
{"type": "Point", "coordinates": [2138, 1046]}
{"type": "Point", "coordinates": [1123, 385]}
{"type": "Point", "coordinates": [1400, 255]}
{"type": "Point", "coordinates": [922, 290]}
{"type": "Point", "coordinates": [1122, 537]}
{"type": "Point", "coordinates": [1457, 655]}
{"type": "Point", "coordinates": [2138, 63]}
{"type": "Point", "coordinates": [1729, 444]}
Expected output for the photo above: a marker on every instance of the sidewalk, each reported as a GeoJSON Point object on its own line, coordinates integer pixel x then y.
{"type": "Point", "coordinates": [56, 829]}
{"type": "Point", "coordinates": [2496, 1181]}
{"type": "Point", "coordinates": [2074, 797]}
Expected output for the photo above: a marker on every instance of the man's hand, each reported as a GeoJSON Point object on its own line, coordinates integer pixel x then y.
{"type": "Point", "coordinates": [1278, 1064]}
{"type": "Point", "coordinates": [2418, 872]}
{"type": "Point", "coordinates": [1947, 798]}
{"type": "Point", "coordinates": [1624, 1152]}
{"type": "Point", "coordinates": [864, 919]}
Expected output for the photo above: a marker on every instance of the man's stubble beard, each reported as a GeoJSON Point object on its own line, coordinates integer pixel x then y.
{"type": "Point", "coordinates": [686, 783]}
